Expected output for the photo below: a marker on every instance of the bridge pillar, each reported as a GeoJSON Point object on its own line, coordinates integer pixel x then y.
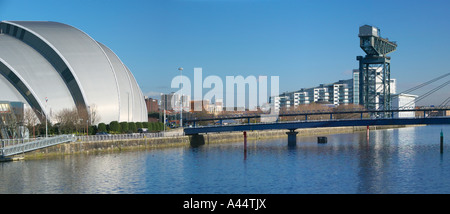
{"type": "Point", "coordinates": [196, 140]}
{"type": "Point", "coordinates": [292, 137]}
{"type": "Point", "coordinates": [245, 145]}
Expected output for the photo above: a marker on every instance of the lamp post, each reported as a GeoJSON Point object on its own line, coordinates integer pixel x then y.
{"type": "Point", "coordinates": [162, 106]}
{"type": "Point", "coordinates": [87, 130]}
{"type": "Point", "coordinates": [46, 128]}
{"type": "Point", "coordinates": [87, 121]}
{"type": "Point", "coordinates": [181, 97]}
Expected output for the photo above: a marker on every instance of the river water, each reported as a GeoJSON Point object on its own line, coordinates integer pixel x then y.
{"type": "Point", "coordinates": [405, 160]}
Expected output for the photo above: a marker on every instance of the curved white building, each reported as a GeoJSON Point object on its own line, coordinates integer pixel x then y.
{"type": "Point", "coordinates": [53, 66]}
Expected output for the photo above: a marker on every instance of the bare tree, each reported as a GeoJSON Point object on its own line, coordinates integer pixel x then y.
{"type": "Point", "coordinates": [349, 108]}
{"type": "Point", "coordinates": [314, 108]}
{"type": "Point", "coordinates": [30, 120]}
{"type": "Point", "coordinates": [94, 117]}
{"type": "Point", "coordinates": [76, 119]}
{"type": "Point", "coordinates": [68, 120]}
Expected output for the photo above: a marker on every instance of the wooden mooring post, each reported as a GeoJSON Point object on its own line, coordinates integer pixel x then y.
{"type": "Point", "coordinates": [442, 142]}
{"type": "Point", "coordinates": [245, 145]}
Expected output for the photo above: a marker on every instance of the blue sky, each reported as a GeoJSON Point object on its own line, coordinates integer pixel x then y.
{"type": "Point", "coordinates": [305, 43]}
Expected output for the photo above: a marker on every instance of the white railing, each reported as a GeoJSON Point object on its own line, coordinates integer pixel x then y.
{"type": "Point", "coordinates": [10, 147]}
{"type": "Point", "coordinates": [128, 136]}
{"type": "Point", "coordinates": [13, 142]}
{"type": "Point", "coordinates": [16, 146]}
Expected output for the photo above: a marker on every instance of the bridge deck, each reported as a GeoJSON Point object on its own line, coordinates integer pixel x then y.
{"type": "Point", "coordinates": [314, 124]}
{"type": "Point", "coordinates": [250, 115]}
{"type": "Point", "coordinates": [6, 151]}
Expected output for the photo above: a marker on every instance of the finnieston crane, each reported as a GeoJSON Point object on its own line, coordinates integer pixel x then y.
{"type": "Point", "coordinates": [374, 70]}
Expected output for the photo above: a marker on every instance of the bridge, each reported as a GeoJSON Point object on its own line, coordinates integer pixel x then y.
{"type": "Point", "coordinates": [424, 111]}
{"type": "Point", "coordinates": [10, 147]}
{"type": "Point", "coordinates": [428, 116]}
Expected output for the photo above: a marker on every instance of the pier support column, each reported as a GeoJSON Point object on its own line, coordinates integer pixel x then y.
{"type": "Point", "coordinates": [245, 145]}
{"type": "Point", "coordinates": [442, 142]}
{"type": "Point", "coordinates": [367, 133]}
{"type": "Point", "coordinates": [292, 137]}
{"type": "Point", "coordinates": [197, 140]}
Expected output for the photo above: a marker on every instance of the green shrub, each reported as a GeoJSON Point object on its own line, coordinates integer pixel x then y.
{"type": "Point", "coordinates": [139, 125]}
{"type": "Point", "coordinates": [102, 127]}
{"type": "Point", "coordinates": [124, 127]}
{"type": "Point", "coordinates": [152, 127]}
{"type": "Point", "coordinates": [132, 127]}
{"type": "Point", "coordinates": [93, 129]}
{"type": "Point", "coordinates": [145, 125]}
{"type": "Point", "coordinates": [114, 127]}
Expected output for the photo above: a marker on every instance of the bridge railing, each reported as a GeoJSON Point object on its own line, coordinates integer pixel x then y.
{"type": "Point", "coordinates": [110, 137]}
{"type": "Point", "coordinates": [13, 147]}
{"type": "Point", "coordinates": [13, 142]}
{"type": "Point", "coordinates": [418, 113]}
{"type": "Point", "coordinates": [10, 147]}
{"type": "Point", "coordinates": [319, 112]}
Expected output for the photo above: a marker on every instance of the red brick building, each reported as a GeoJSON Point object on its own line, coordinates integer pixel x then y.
{"type": "Point", "coordinates": [152, 105]}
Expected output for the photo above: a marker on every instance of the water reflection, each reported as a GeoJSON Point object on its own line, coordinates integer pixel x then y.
{"type": "Point", "coordinates": [392, 161]}
{"type": "Point", "coordinates": [372, 163]}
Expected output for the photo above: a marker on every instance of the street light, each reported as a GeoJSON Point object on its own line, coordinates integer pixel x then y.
{"type": "Point", "coordinates": [87, 121]}
{"type": "Point", "coordinates": [46, 128]}
{"type": "Point", "coordinates": [163, 105]}
{"type": "Point", "coordinates": [87, 130]}
{"type": "Point", "coordinates": [181, 98]}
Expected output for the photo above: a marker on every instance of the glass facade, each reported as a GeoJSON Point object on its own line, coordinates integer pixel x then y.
{"type": "Point", "coordinates": [356, 87]}
{"type": "Point", "coordinates": [11, 117]}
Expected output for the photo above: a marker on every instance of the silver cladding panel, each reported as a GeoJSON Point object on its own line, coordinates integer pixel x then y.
{"type": "Point", "coordinates": [94, 68]}
{"type": "Point", "coordinates": [138, 99]}
{"type": "Point", "coordinates": [36, 72]}
{"type": "Point", "coordinates": [87, 62]}
{"type": "Point", "coordinates": [129, 91]}
{"type": "Point", "coordinates": [8, 92]}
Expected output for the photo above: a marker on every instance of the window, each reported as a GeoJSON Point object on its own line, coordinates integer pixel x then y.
{"type": "Point", "coordinates": [67, 75]}
{"type": "Point", "coordinates": [14, 31]}
{"type": "Point", "coordinates": [13, 78]}
{"type": "Point", "coordinates": [22, 34]}
{"type": "Point", "coordinates": [8, 28]}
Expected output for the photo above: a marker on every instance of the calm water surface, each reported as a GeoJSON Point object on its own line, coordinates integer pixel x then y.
{"type": "Point", "coordinates": [405, 160]}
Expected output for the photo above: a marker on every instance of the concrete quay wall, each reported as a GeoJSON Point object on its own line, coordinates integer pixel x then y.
{"type": "Point", "coordinates": [93, 147]}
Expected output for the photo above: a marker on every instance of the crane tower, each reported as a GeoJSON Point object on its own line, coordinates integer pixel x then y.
{"type": "Point", "coordinates": [374, 70]}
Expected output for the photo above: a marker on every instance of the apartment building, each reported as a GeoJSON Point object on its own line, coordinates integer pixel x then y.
{"type": "Point", "coordinates": [335, 93]}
